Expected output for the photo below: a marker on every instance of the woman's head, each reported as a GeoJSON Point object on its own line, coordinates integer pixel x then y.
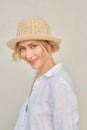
{"type": "Point", "coordinates": [35, 52]}
{"type": "Point", "coordinates": [34, 29]}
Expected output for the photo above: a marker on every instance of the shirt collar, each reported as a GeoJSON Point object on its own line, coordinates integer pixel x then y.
{"type": "Point", "coordinates": [54, 70]}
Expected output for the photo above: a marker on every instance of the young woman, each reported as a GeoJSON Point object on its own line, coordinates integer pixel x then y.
{"type": "Point", "coordinates": [51, 104]}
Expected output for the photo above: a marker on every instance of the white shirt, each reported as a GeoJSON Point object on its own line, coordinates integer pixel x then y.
{"type": "Point", "coordinates": [52, 104]}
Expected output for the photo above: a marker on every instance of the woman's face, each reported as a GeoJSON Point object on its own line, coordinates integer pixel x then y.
{"type": "Point", "coordinates": [33, 53]}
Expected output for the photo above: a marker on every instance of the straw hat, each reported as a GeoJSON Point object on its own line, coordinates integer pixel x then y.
{"type": "Point", "coordinates": [33, 28]}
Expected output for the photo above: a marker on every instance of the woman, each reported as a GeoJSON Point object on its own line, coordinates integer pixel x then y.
{"type": "Point", "coordinates": [51, 104]}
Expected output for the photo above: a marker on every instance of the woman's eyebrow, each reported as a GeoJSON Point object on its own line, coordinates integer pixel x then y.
{"type": "Point", "coordinates": [30, 44]}
{"type": "Point", "coordinates": [20, 46]}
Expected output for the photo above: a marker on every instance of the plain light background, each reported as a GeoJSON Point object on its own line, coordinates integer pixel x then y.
{"type": "Point", "coordinates": [68, 20]}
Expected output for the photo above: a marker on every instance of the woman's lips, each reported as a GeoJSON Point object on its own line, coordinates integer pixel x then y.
{"type": "Point", "coordinates": [32, 62]}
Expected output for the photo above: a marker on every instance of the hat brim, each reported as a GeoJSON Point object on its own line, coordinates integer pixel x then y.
{"type": "Point", "coordinates": [12, 43]}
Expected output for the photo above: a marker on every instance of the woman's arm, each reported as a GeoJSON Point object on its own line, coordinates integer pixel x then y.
{"type": "Point", "coordinates": [64, 107]}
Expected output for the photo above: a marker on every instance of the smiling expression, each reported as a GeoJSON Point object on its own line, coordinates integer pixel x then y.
{"type": "Point", "coordinates": [35, 55]}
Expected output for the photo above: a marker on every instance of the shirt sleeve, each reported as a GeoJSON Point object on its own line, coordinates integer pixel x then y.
{"type": "Point", "coordinates": [64, 107]}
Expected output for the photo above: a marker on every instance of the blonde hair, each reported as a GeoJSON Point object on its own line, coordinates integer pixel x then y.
{"type": "Point", "coordinates": [48, 47]}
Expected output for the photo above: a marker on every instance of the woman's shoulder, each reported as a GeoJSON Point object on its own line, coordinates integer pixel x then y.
{"type": "Point", "coordinates": [60, 75]}
{"type": "Point", "coordinates": [60, 79]}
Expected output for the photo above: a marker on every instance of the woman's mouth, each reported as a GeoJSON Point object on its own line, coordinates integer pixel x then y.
{"type": "Point", "coordinates": [33, 62]}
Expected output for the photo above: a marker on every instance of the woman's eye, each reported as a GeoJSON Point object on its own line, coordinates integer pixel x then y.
{"type": "Point", "coordinates": [33, 46]}
{"type": "Point", "coordinates": [21, 49]}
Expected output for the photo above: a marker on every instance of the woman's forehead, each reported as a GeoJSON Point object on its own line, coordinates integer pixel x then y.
{"type": "Point", "coordinates": [27, 42]}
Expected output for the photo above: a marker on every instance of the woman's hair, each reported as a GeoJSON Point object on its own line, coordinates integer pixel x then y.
{"type": "Point", "coordinates": [48, 47]}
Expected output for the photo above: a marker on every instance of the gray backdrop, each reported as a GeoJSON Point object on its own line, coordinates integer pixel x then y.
{"type": "Point", "coordinates": [68, 20]}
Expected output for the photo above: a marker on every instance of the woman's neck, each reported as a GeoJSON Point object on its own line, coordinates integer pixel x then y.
{"type": "Point", "coordinates": [46, 67]}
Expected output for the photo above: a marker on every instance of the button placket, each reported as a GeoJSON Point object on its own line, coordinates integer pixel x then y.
{"type": "Point", "coordinates": [25, 115]}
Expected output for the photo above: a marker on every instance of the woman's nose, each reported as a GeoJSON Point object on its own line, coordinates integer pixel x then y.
{"type": "Point", "coordinates": [28, 55]}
